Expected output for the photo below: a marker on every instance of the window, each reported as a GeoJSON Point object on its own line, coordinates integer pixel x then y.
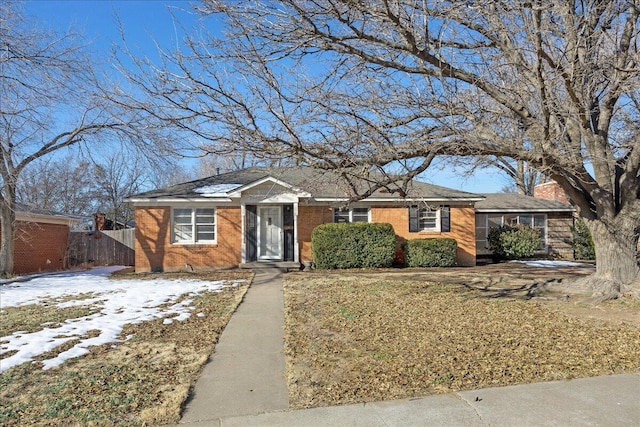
{"type": "Point", "coordinates": [485, 222]}
{"type": "Point", "coordinates": [429, 219]}
{"type": "Point", "coordinates": [194, 225]}
{"type": "Point", "coordinates": [351, 215]}
{"type": "Point", "coordinates": [535, 221]}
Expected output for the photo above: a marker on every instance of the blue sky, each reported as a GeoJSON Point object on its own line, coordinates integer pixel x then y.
{"type": "Point", "coordinates": [146, 21]}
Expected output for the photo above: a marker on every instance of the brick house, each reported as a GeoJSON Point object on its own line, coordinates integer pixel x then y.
{"type": "Point", "coordinates": [268, 214]}
{"type": "Point", "coordinates": [40, 242]}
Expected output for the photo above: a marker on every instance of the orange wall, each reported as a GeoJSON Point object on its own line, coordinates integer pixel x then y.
{"type": "Point", "coordinates": [309, 217]}
{"type": "Point", "coordinates": [155, 252]}
{"type": "Point", "coordinates": [39, 247]}
{"type": "Point", "coordinates": [462, 228]}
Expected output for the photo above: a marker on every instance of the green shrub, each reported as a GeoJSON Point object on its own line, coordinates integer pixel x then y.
{"type": "Point", "coordinates": [438, 252]}
{"type": "Point", "coordinates": [353, 245]}
{"type": "Point", "coordinates": [513, 242]}
{"type": "Point", "coordinates": [583, 247]}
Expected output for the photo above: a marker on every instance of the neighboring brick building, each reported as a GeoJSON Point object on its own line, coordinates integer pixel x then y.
{"type": "Point", "coordinates": [268, 214]}
{"type": "Point", "coordinates": [40, 242]}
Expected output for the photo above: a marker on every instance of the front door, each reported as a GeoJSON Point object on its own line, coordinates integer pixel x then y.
{"type": "Point", "coordinates": [270, 232]}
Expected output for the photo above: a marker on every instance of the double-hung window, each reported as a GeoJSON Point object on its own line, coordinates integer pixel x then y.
{"type": "Point", "coordinates": [351, 215]}
{"type": "Point", "coordinates": [424, 219]}
{"type": "Point", "coordinates": [192, 225]}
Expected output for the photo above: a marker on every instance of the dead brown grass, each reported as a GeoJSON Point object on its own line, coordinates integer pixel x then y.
{"type": "Point", "coordinates": [364, 337]}
{"type": "Point", "coordinates": [143, 381]}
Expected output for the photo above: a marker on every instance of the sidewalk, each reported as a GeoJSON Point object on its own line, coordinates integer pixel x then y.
{"type": "Point", "coordinates": [244, 384]}
{"type": "Point", "coordinates": [246, 373]}
{"type": "Point", "coordinates": [601, 401]}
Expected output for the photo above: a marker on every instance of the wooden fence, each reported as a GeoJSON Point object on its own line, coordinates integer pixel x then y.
{"type": "Point", "coordinates": [113, 247]}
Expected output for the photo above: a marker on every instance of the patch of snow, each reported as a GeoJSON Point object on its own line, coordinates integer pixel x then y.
{"type": "Point", "coordinates": [119, 302]}
{"type": "Point", "coordinates": [551, 263]}
{"type": "Point", "coordinates": [217, 190]}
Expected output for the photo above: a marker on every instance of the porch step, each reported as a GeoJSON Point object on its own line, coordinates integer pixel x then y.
{"type": "Point", "coordinates": [283, 266]}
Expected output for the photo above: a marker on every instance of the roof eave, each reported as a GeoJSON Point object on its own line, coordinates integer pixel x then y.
{"type": "Point", "coordinates": [406, 199]}
{"type": "Point", "coordinates": [43, 218]}
{"type": "Point", "coordinates": [512, 210]}
{"type": "Point", "coordinates": [165, 199]}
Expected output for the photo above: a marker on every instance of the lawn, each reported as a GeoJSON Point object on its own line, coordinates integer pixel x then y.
{"type": "Point", "coordinates": [359, 337]}
{"type": "Point", "coordinates": [84, 349]}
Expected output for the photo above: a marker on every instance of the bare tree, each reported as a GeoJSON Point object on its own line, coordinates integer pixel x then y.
{"type": "Point", "coordinates": [525, 177]}
{"type": "Point", "coordinates": [116, 177]}
{"type": "Point", "coordinates": [389, 85]}
{"type": "Point", "coordinates": [52, 99]}
{"type": "Point", "coordinates": [62, 185]}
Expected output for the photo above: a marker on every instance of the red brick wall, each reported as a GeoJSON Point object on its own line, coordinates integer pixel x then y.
{"type": "Point", "coordinates": [309, 217]}
{"type": "Point", "coordinates": [39, 247]}
{"type": "Point", "coordinates": [550, 191]}
{"type": "Point", "coordinates": [155, 252]}
{"type": "Point", "coordinates": [462, 228]}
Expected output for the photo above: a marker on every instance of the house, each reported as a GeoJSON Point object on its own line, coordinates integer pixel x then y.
{"type": "Point", "coordinates": [551, 218]}
{"type": "Point", "coordinates": [267, 215]}
{"type": "Point", "coordinates": [40, 242]}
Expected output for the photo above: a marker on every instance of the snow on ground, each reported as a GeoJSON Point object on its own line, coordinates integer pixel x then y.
{"type": "Point", "coordinates": [551, 263]}
{"type": "Point", "coordinates": [119, 302]}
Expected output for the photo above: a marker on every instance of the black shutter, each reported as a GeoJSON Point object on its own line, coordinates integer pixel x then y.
{"type": "Point", "coordinates": [288, 232]}
{"type": "Point", "coordinates": [251, 231]}
{"type": "Point", "coordinates": [445, 219]}
{"type": "Point", "coordinates": [414, 221]}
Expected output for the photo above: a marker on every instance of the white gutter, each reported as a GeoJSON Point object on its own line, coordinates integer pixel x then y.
{"type": "Point", "coordinates": [521, 210]}
{"type": "Point", "coordinates": [410, 200]}
{"type": "Point", "coordinates": [176, 200]}
{"type": "Point", "coordinates": [46, 219]}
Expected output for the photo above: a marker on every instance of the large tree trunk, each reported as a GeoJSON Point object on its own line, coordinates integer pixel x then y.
{"type": "Point", "coordinates": [617, 272]}
{"type": "Point", "coordinates": [7, 216]}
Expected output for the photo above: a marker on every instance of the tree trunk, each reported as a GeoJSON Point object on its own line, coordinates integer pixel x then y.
{"type": "Point", "coordinates": [617, 272]}
{"type": "Point", "coordinates": [7, 220]}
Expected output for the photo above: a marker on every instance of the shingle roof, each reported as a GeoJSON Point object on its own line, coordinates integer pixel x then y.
{"type": "Point", "coordinates": [318, 183]}
{"type": "Point", "coordinates": [34, 210]}
{"type": "Point", "coordinates": [500, 202]}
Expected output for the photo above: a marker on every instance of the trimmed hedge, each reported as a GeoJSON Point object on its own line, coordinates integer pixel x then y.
{"type": "Point", "coordinates": [438, 252]}
{"type": "Point", "coordinates": [353, 245]}
{"type": "Point", "coordinates": [513, 242]}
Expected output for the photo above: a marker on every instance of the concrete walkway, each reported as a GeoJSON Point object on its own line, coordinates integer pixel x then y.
{"type": "Point", "coordinates": [244, 384]}
{"type": "Point", "coordinates": [246, 374]}
{"type": "Point", "coordinates": [601, 401]}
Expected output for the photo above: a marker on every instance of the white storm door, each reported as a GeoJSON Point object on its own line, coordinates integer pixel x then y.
{"type": "Point", "coordinates": [270, 232]}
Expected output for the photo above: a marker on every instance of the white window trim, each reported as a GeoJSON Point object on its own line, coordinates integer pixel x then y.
{"type": "Point", "coordinates": [435, 229]}
{"type": "Point", "coordinates": [351, 213]}
{"type": "Point", "coordinates": [194, 240]}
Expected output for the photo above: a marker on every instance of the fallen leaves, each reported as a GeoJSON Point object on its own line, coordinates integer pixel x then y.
{"type": "Point", "coordinates": [357, 338]}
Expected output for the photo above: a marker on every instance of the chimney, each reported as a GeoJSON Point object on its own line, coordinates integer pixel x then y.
{"type": "Point", "coordinates": [550, 191]}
